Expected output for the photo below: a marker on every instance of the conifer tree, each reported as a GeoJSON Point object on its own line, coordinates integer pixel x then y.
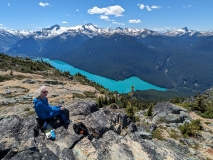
{"type": "Point", "coordinates": [149, 111]}
{"type": "Point", "coordinates": [100, 102]}
{"type": "Point", "coordinates": [105, 101]}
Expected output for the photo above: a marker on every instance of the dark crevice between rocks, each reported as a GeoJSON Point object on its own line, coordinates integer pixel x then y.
{"type": "Point", "coordinates": [73, 145]}
{"type": "Point", "coordinates": [3, 153]}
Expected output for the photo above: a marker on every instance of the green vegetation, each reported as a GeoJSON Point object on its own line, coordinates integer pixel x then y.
{"type": "Point", "coordinates": [26, 65]}
{"type": "Point", "coordinates": [162, 96]}
{"type": "Point", "coordinates": [173, 134]}
{"type": "Point", "coordinates": [207, 123]}
{"type": "Point", "coordinates": [26, 109]}
{"type": "Point", "coordinates": [191, 129]}
{"type": "Point", "coordinates": [20, 64]}
{"type": "Point", "coordinates": [77, 95]}
{"type": "Point", "coordinates": [203, 106]}
{"type": "Point", "coordinates": [89, 94]}
{"type": "Point", "coordinates": [157, 134]}
{"type": "Point", "coordinates": [130, 111]}
{"type": "Point", "coordinates": [30, 113]}
{"type": "Point", "coordinates": [5, 78]}
{"type": "Point", "coordinates": [149, 111]}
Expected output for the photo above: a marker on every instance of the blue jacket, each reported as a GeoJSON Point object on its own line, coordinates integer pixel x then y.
{"type": "Point", "coordinates": [44, 110]}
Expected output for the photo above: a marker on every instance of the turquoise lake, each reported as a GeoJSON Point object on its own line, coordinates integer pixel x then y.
{"type": "Point", "coordinates": [122, 86]}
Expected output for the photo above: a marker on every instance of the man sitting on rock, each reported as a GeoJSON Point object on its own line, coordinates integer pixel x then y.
{"type": "Point", "coordinates": [46, 112]}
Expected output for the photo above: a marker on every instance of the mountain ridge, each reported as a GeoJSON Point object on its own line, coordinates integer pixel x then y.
{"type": "Point", "coordinates": [171, 48]}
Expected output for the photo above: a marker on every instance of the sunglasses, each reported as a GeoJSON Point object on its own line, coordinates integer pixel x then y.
{"type": "Point", "coordinates": [45, 92]}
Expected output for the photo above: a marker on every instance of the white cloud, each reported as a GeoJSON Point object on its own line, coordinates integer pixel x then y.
{"type": "Point", "coordinates": [148, 8]}
{"type": "Point", "coordinates": [8, 4]}
{"type": "Point", "coordinates": [118, 23]}
{"type": "Point", "coordinates": [67, 15]}
{"type": "Point", "coordinates": [111, 10]}
{"type": "Point", "coordinates": [77, 10]}
{"type": "Point", "coordinates": [1, 24]}
{"type": "Point", "coordinates": [43, 4]}
{"type": "Point", "coordinates": [155, 7]}
{"type": "Point", "coordinates": [134, 21]}
{"type": "Point", "coordinates": [104, 17]}
{"type": "Point", "coordinates": [187, 6]}
{"type": "Point", "coordinates": [64, 22]}
{"type": "Point", "coordinates": [141, 6]}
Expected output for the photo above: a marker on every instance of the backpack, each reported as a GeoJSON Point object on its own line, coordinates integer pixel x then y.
{"type": "Point", "coordinates": [80, 128]}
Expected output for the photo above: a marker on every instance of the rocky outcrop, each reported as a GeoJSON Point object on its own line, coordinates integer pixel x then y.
{"type": "Point", "coordinates": [21, 139]}
{"type": "Point", "coordinates": [170, 113]}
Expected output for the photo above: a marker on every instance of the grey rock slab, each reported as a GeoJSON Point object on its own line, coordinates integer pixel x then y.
{"type": "Point", "coordinates": [145, 135]}
{"type": "Point", "coordinates": [168, 112]}
{"type": "Point", "coordinates": [98, 123]}
{"type": "Point", "coordinates": [82, 107]}
{"type": "Point", "coordinates": [67, 154]}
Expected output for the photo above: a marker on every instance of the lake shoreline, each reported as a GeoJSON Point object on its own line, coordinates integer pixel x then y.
{"type": "Point", "coordinates": [121, 86]}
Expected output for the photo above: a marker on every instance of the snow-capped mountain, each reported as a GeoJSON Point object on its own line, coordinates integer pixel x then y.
{"type": "Point", "coordinates": [187, 32]}
{"type": "Point", "coordinates": [9, 37]}
{"type": "Point", "coordinates": [13, 41]}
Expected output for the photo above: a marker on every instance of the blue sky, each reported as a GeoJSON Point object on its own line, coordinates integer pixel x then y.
{"type": "Point", "coordinates": [151, 14]}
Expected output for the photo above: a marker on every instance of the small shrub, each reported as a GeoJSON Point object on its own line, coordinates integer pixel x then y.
{"type": "Point", "coordinates": [157, 134]}
{"type": "Point", "coordinates": [77, 95]}
{"type": "Point", "coordinates": [90, 94]}
{"type": "Point", "coordinates": [30, 113]}
{"type": "Point", "coordinates": [207, 123]}
{"type": "Point", "coordinates": [173, 134]}
{"type": "Point", "coordinates": [26, 109]}
{"type": "Point", "coordinates": [191, 129]}
{"type": "Point", "coordinates": [137, 118]}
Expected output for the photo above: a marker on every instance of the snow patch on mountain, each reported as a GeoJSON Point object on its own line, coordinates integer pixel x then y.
{"type": "Point", "coordinates": [9, 37]}
{"type": "Point", "coordinates": [91, 30]}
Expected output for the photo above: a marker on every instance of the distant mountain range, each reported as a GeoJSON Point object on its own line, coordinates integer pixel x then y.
{"type": "Point", "coordinates": [177, 59]}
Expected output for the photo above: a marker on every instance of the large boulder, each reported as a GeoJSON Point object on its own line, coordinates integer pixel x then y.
{"type": "Point", "coordinates": [10, 127]}
{"type": "Point", "coordinates": [118, 118]}
{"type": "Point", "coordinates": [83, 107]}
{"type": "Point", "coordinates": [170, 113]}
{"type": "Point", "coordinates": [98, 123]}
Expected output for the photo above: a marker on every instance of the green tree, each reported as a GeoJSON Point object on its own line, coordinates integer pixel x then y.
{"type": "Point", "coordinates": [100, 104]}
{"type": "Point", "coordinates": [105, 100]}
{"type": "Point", "coordinates": [130, 111]}
{"type": "Point", "coordinates": [149, 111]}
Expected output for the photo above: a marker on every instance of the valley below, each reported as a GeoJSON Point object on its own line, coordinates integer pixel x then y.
{"type": "Point", "coordinates": [170, 130]}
